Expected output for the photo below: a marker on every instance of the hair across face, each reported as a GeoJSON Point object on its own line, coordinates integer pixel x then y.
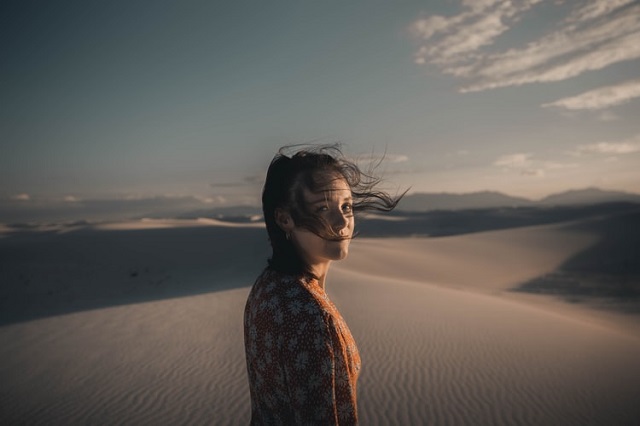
{"type": "Point", "coordinates": [315, 201]}
{"type": "Point", "coordinates": [295, 182]}
{"type": "Point", "coordinates": [332, 209]}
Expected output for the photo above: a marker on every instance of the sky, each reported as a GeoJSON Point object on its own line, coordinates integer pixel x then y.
{"type": "Point", "coordinates": [131, 100]}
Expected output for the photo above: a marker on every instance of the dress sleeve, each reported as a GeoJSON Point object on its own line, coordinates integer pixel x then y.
{"type": "Point", "coordinates": [310, 369]}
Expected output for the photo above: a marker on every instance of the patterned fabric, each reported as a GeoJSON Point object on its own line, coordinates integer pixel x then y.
{"type": "Point", "coordinates": [301, 358]}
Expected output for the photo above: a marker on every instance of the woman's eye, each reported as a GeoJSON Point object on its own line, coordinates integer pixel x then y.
{"type": "Point", "coordinates": [346, 208]}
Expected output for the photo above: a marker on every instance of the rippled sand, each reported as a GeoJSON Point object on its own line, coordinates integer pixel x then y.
{"type": "Point", "coordinates": [442, 340]}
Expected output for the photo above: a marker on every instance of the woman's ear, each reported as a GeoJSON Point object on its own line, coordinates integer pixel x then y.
{"type": "Point", "coordinates": [284, 220]}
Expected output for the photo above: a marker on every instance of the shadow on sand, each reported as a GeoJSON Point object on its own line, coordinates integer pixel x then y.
{"type": "Point", "coordinates": [45, 273]}
{"type": "Point", "coordinates": [441, 223]}
{"type": "Point", "coordinates": [607, 275]}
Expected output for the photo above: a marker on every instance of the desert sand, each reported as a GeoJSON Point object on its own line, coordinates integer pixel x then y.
{"type": "Point", "coordinates": [141, 323]}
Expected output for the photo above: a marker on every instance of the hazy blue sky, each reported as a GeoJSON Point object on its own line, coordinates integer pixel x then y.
{"type": "Point", "coordinates": [136, 99]}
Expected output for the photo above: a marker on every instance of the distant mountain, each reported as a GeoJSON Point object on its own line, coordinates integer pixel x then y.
{"type": "Point", "coordinates": [490, 199]}
{"type": "Point", "coordinates": [447, 201]}
{"type": "Point", "coordinates": [589, 196]}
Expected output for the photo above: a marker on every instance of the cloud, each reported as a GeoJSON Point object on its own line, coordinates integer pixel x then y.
{"type": "Point", "coordinates": [512, 161]}
{"type": "Point", "coordinates": [247, 181]}
{"type": "Point", "coordinates": [71, 199]}
{"type": "Point", "coordinates": [628, 146]}
{"type": "Point", "coordinates": [611, 148]}
{"type": "Point", "coordinates": [21, 197]}
{"type": "Point", "coordinates": [226, 184]}
{"type": "Point", "coordinates": [519, 162]}
{"type": "Point", "coordinates": [608, 116]}
{"type": "Point", "coordinates": [600, 98]}
{"type": "Point", "coordinates": [552, 165]}
{"type": "Point", "coordinates": [523, 164]}
{"type": "Point", "coordinates": [382, 158]}
{"type": "Point", "coordinates": [396, 158]}
{"type": "Point", "coordinates": [596, 9]}
{"type": "Point", "coordinates": [206, 200]}
{"type": "Point", "coordinates": [455, 39]}
{"type": "Point", "coordinates": [254, 179]}
{"type": "Point", "coordinates": [532, 172]}
{"type": "Point", "coordinates": [593, 36]}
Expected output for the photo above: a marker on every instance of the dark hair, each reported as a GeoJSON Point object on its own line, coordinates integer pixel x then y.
{"type": "Point", "coordinates": [312, 167]}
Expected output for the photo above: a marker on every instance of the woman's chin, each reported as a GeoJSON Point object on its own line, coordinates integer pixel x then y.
{"type": "Point", "coordinates": [340, 251]}
{"type": "Point", "coordinates": [342, 255]}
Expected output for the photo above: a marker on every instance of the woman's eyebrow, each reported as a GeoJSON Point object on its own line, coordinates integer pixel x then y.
{"type": "Point", "coordinates": [325, 198]}
{"type": "Point", "coordinates": [323, 201]}
{"type": "Point", "coordinates": [317, 201]}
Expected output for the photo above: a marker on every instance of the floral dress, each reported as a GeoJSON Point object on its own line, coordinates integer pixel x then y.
{"type": "Point", "coordinates": [301, 358]}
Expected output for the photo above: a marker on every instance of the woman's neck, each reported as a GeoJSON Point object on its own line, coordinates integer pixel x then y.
{"type": "Point", "coordinates": [320, 270]}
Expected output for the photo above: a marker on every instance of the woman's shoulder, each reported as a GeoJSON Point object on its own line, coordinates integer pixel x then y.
{"type": "Point", "coordinates": [284, 304]}
{"type": "Point", "coordinates": [272, 280]}
{"type": "Point", "coordinates": [276, 284]}
{"type": "Point", "coordinates": [297, 292]}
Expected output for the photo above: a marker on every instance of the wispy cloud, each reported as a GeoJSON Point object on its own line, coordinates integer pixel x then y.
{"type": "Point", "coordinates": [627, 146]}
{"type": "Point", "coordinates": [596, 9]}
{"type": "Point", "coordinates": [450, 41]}
{"type": "Point", "coordinates": [521, 163]}
{"type": "Point", "coordinates": [593, 36]}
{"type": "Point", "coordinates": [601, 98]}
{"type": "Point", "coordinates": [247, 181]}
{"type": "Point", "coordinates": [382, 158]}
{"type": "Point", "coordinates": [227, 184]}
{"type": "Point", "coordinates": [608, 116]}
{"type": "Point", "coordinates": [552, 165]}
{"type": "Point", "coordinates": [513, 161]}
{"type": "Point", "coordinates": [525, 165]}
{"type": "Point", "coordinates": [21, 197]}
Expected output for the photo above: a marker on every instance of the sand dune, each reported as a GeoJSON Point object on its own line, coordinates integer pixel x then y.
{"type": "Point", "coordinates": [170, 362]}
{"type": "Point", "coordinates": [486, 261]}
{"type": "Point", "coordinates": [437, 356]}
{"type": "Point", "coordinates": [443, 338]}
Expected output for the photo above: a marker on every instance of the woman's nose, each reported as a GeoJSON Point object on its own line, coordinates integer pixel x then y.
{"type": "Point", "coordinates": [339, 221]}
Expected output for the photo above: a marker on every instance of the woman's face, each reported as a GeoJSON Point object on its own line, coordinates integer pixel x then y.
{"type": "Point", "coordinates": [333, 203]}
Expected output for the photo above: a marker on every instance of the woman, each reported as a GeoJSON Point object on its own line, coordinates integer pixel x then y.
{"type": "Point", "coordinates": [302, 360]}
